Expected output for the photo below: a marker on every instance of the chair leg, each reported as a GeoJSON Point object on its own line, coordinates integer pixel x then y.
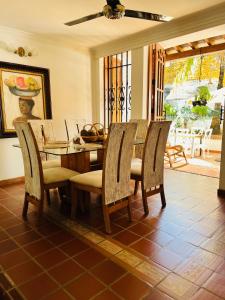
{"type": "Point", "coordinates": [48, 197]}
{"type": "Point", "coordinates": [185, 157]}
{"type": "Point", "coordinates": [25, 206]}
{"type": "Point", "coordinates": [136, 186]}
{"type": "Point", "coordinates": [145, 201]}
{"type": "Point", "coordinates": [40, 208]}
{"type": "Point", "coordinates": [170, 162]}
{"type": "Point", "coordinates": [162, 194]}
{"type": "Point", "coordinates": [74, 200]}
{"type": "Point", "coordinates": [106, 219]}
{"type": "Point", "coordinates": [129, 209]}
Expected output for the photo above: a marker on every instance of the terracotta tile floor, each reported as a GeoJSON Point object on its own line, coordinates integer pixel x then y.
{"type": "Point", "coordinates": [177, 253]}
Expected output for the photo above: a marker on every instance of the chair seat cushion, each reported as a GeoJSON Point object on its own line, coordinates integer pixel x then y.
{"type": "Point", "coordinates": [93, 179]}
{"type": "Point", "coordinates": [136, 166]}
{"type": "Point", "coordinates": [53, 163]}
{"type": "Point", "coordinates": [54, 175]}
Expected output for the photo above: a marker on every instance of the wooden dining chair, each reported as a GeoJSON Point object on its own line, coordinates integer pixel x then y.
{"type": "Point", "coordinates": [38, 180]}
{"type": "Point", "coordinates": [142, 129]}
{"type": "Point", "coordinates": [112, 183]}
{"type": "Point", "coordinates": [73, 129]}
{"type": "Point", "coordinates": [44, 130]}
{"type": "Point", "coordinates": [149, 171]}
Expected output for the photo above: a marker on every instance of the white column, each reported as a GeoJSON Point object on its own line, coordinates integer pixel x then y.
{"type": "Point", "coordinates": [139, 61]}
{"type": "Point", "coordinates": [222, 164]}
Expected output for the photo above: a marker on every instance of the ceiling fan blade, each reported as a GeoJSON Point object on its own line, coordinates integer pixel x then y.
{"type": "Point", "coordinates": [84, 19]}
{"type": "Point", "coordinates": [146, 16]}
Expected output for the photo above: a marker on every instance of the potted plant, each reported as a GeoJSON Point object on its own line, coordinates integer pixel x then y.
{"type": "Point", "coordinates": [202, 97]}
{"type": "Point", "coordinates": [170, 111]}
{"type": "Point", "coordinates": [203, 116]}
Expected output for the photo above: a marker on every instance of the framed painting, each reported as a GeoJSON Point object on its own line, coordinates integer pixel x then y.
{"type": "Point", "coordinates": [24, 95]}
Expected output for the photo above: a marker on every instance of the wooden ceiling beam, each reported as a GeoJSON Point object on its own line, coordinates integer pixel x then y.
{"type": "Point", "coordinates": [198, 51]}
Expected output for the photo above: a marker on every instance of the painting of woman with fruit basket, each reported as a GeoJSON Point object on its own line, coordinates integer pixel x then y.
{"type": "Point", "coordinates": [24, 96]}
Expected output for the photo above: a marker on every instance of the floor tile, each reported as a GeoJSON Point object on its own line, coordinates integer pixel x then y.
{"type": "Point", "coordinates": [108, 272]}
{"type": "Point", "coordinates": [59, 295]}
{"type": "Point", "coordinates": [126, 237]}
{"type": "Point", "coordinates": [13, 258]}
{"type": "Point", "coordinates": [193, 272]}
{"type": "Point", "coordinates": [177, 287]}
{"type": "Point", "coordinates": [74, 247]}
{"type": "Point", "coordinates": [160, 237]}
{"type": "Point", "coordinates": [154, 273]}
{"type": "Point", "coordinates": [107, 295]}
{"type": "Point", "coordinates": [216, 285]}
{"type": "Point", "coordinates": [166, 258]}
{"type": "Point", "coordinates": [157, 295]}
{"type": "Point", "coordinates": [146, 247]}
{"type": "Point", "coordinates": [203, 294]}
{"type": "Point", "coordinates": [7, 246]}
{"type": "Point", "coordinates": [24, 272]}
{"type": "Point", "coordinates": [38, 247]}
{"type": "Point", "coordinates": [18, 229]}
{"type": "Point", "coordinates": [140, 229]}
{"type": "Point", "coordinates": [51, 258]}
{"type": "Point", "coordinates": [181, 247]}
{"type": "Point", "coordinates": [131, 288]}
{"type": "Point", "coordinates": [27, 237]}
{"type": "Point", "coordinates": [85, 287]}
{"type": "Point", "coordinates": [38, 288]}
{"type": "Point", "coordinates": [60, 237]}
{"type": "Point", "coordinates": [89, 258]}
{"type": "Point", "coordinates": [66, 271]}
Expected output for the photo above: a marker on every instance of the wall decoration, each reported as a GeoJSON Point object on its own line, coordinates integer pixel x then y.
{"type": "Point", "coordinates": [24, 95]}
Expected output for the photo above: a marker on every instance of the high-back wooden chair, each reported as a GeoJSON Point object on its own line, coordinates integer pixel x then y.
{"type": "Point", "coordinates": [113, 182]}
{"type": "Point", "coordinates": [142, 129]}
{"type": "Point", "coordinates": [150, 169]}
{"type": "Point", "coordinates": [44, 132]}
{"type": "Point", "coordinates": [37, 180]}
{"type": "Point", "coordinates": [74, 127]}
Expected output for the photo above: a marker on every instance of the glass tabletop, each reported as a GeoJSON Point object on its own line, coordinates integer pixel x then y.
{"type": "Point", "coordinates": [66, 149]}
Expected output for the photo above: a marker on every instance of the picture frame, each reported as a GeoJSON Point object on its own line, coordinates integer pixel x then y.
{"type": "Point", "coordinates": [24, 95]}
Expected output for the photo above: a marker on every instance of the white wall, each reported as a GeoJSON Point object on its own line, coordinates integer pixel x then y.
{"type": "Point", "coordinates": [70, 86]}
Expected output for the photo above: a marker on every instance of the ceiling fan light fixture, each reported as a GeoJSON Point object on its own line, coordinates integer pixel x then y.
{"type": "Point", "coordinates": [114, 13]}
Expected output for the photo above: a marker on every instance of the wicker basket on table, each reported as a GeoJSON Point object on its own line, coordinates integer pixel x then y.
{"type": "Point", "coordinates": [93, 133]}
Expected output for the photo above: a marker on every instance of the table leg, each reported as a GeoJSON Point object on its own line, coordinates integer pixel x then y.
{"type": "Point", "coordinates": [79, 162]}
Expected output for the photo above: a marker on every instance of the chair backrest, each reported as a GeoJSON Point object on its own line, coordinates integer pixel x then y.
{"type": "Point", "coordinates": [197, 130]}
{"type": "Point", "coordinates": [31, 160]}
{"type": "Point", "coordinates": [117, 161]}
{"type": "Point", "coordinates": [207, 135]}
{"type": "Point", "coordinates": [153, 157]}
{"type": "Point", "coordinates": [182, 130]}
{"type": "Point", "coordinates": [74, 127]}
{"type": "Point", "coordinates": [142, 129]}
{"type": "Point", "coordinates": [43, 130]}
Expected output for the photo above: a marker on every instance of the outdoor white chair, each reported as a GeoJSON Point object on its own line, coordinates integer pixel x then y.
{"type": "Point", "coordinates": [205, 142]}
{"type": "Point", "coordinates": [197, 130]}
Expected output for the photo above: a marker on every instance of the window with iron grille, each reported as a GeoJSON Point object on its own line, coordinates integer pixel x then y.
{"type": "Point", "coordinates": [117, 88]}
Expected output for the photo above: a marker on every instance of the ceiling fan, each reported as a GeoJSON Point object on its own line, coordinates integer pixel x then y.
{"type": "Point", "coordinates": [115, 10]}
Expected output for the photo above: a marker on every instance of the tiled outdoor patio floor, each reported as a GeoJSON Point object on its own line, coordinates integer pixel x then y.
{"type": "Point", "coordinates": [180, 249]}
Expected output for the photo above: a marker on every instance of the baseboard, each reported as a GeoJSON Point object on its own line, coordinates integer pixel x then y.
{"type": "Point", "coordinates": [221, 193]}
{"type": "Point", "coordinates": [12, 181]}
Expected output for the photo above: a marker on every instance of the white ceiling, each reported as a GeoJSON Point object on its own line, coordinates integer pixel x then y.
{"type": "Point", "coordinates": [47, 17]}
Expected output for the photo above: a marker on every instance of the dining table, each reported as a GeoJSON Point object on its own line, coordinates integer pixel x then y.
{"type": "Point", "coordinates": [75, 156]}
